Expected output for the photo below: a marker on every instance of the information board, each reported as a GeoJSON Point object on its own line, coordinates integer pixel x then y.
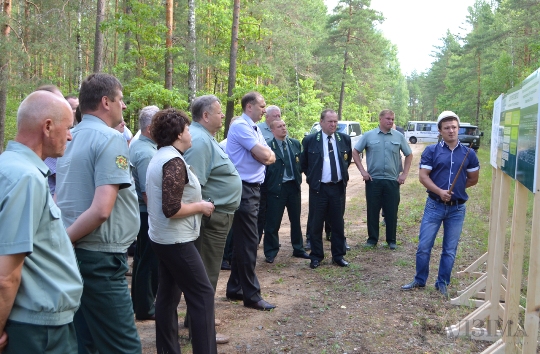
{"type": "Point", "coordinates": [497, 132]}
{"type": "Point", "coordinates": [510, 118]}
{"type": "Point", "coordinates": [528, 126]}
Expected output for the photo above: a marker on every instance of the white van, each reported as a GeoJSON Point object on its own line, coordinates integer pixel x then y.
{"type": "Point", "coordinates": [421, 132]}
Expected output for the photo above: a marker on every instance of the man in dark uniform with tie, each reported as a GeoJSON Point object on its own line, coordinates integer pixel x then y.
{"type": "Point", "coordinates": [325, 159]}
{"type": "Point", "coordinates": [282, 181]}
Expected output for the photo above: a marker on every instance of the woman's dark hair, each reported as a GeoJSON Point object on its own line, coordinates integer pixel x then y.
{"type": "Point", "coordinates": [166, 125]}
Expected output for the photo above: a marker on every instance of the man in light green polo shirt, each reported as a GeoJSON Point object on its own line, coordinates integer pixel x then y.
{"type": "Point", "coordinates": [219, 181]}
{"type": "Point", "coordinates": [144, 281]}
{"type": "Point", "coordinates": [383, 178]}
{"type": "Point", "coordinates": [40, 284]}
{"type": "Point", "coordinates": [100, 210]}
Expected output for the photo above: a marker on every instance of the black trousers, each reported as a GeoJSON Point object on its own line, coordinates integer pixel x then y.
{"type": "Point", "coordinates": [327, 204]}
{"type": "Point", "coordinates": [144, 282]}
{"type": "Point", "coordinates": [181, 270]}
{"type": "Point", "coordinates": [261, 216]}
{"type": "Point", "coordinates": [243, 279]}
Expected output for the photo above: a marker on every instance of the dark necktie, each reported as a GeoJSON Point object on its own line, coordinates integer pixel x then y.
{"type": "Point", "coordinates": [333, 168]}
{"type": "Point", "coordinates": [287, 159]}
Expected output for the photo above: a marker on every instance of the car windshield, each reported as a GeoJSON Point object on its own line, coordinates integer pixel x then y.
{"type": "Point", "coordinates": [467, 131]}
{"type": "Point", "coordinates": [341, 128]}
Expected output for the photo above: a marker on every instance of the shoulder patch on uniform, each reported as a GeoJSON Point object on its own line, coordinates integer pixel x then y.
{"type": "Point", "coordinates": [121, 162]}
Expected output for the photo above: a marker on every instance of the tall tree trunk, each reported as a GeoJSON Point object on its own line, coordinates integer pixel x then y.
{"type": "Point", "coordinates": [127, 41]}
{"type": "Point", "coordinates": [192, 47]}
{"type": "Point", "coordinates": [169, 20]}
{"type": "Point", "coordinates": [115, 50]}
{"type": "Point", "coordinates": [79, 68]}
{"type": "Point", "coordinates": [26, 38]}
{"type": "Point", "coordinates": [345, 63]}
{"type": "Point", "coordinates": [479, 88]}
{"type": "Point", "coordinates": [232, 66]}
{"type": "Point", "coordinates": [4, 67]}
{"type": "Point", "coordinates": [344, 75]}
{"type": "Point", "coordinates": [98, 42]}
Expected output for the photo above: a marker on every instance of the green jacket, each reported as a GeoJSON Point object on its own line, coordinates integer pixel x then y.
{"type": "Point", "coordinates": [274, 172]}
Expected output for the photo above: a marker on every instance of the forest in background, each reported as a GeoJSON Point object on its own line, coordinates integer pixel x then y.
{"type": "Point", "coordinates": [298, 55]}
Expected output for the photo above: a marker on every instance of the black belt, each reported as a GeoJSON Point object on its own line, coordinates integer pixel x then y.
{"type": "Point", "coordinates": [332, 183]}
{"type": "Point", "coordinates": [452, 202]}
{"type": "Point", "coordinates": [249, 184]}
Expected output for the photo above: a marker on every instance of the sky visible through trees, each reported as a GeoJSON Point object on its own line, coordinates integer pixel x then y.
{"type": "Point", "coordinates": [299, 56]}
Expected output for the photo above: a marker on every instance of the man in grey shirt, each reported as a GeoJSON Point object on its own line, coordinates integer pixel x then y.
{"type": "Point", "coordinates": [220, 182]}
{"type": "Point", "coordinates": [383, 178]}
{"type": "Point", "coordinates": [41, 285]}
{"type": "Point", "coordinates": [144, 281]}
{"type": "Point", "coordinates": [100, 210]}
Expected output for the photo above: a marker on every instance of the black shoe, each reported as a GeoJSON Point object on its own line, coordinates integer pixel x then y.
{"type": "Point", "coordinates": [308, 245]}
{"type": "Point", "coordinates": [261, 305]}
{"type": "Point", "coordinates": [412, 285]}
{"type": "Point", "coordinates": [302, 255]}
{"type": "Point", "coordinates": [225, 265]}
{"type": "Point", "coordinates": [368, 245]}
{"type": "Point", "coordinates": [235, 296]}
{"type": "Point", "coordinates": [314, 264]}
{"type": "Point", "coordinates": [340, 262]}
{"type": "Point", "coordinates": [347, 246]}
{"type": "Point", "coordinates": [329, 236]}
{"type": "Point", "coordinates": [269, 259]}
{"type": "Point", "coordinates": [392, 246]}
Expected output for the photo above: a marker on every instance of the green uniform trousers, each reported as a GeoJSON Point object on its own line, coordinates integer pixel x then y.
{"type": "Point", "coordinates": [382, 194]}
{"type": "Point", "coordinates": [144, 282]}
{"type": "Point", "coordinates": [105, 322]}
{"type": "Point", "coordinates": [211, 242]}
{"type": "Point", "coordinates": [275, 206]}
{"type": "Point", "coordinates": [29, 338]}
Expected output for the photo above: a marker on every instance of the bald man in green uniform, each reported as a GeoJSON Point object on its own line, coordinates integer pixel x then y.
{"type": "Point", "coordinates": [40, 284]}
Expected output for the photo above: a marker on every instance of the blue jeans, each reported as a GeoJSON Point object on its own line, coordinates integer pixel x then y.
{"type": "Point", "coordinates": [452, 218]}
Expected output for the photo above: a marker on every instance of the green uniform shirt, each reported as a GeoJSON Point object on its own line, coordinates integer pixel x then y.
{"type": "Point", "coordinates": [51, 285]}
{"type": "Point", "coordinates": [217, 175]}
{"type": "Point", "coordinates": [382, 150]}
{"type": "Point", "coordinates": [97, 156]}
{"type": "Point", "coordinates": [141, 152]}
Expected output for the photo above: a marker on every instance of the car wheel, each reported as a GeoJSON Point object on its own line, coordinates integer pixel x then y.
{"type": "Point", "coordinates": [412, 139]}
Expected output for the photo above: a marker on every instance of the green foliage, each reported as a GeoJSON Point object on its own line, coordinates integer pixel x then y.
{"type": "Point", "coordinates": [289, 50]}
{"type": "Point", "coordinates": [143, 93]}
{"type": "Point", "coordinates": [11, 120]}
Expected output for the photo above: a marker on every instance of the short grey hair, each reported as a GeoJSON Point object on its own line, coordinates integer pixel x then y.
{"type": "Point", "coordinates": [272, 108]}
{"type": "Point", "coordinates": [202, 104]}
{"type": "Point", "coordinates": [145, 116]}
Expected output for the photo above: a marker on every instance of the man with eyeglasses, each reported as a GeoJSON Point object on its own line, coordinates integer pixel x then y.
{"type": "Point", "coordinates": [446, 184]}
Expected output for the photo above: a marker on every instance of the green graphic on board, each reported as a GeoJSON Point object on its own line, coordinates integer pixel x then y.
{"type": "Point", "coordinates": [526, 142]}
{"type": "Point", "coordinates": [510, 120]}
